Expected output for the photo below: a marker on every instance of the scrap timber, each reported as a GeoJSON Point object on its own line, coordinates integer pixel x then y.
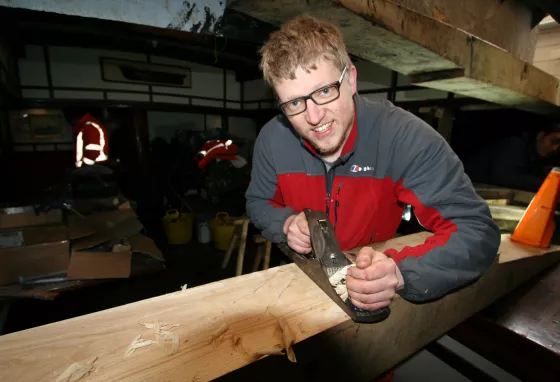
{"type": "Point", "coordinates": [433, 53]}
{"type": "Point", "coordinates": [203, 333]}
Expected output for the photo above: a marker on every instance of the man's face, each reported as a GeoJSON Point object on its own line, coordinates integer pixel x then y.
{"type": "Point", "coordinates": [327, 126]}
{"type": "Point", "coordinates": [548, 144]}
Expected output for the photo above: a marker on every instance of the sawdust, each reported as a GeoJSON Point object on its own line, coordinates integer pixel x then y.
{"type": "Point", "coordinates": [163, 338]}
{"type": "Point", "coordinates": [77, 371]}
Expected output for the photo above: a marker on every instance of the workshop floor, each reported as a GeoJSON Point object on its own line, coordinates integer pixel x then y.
{"type": "Point", "coordinates": [194, 265]}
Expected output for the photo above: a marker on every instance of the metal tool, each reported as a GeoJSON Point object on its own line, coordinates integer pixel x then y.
{"type": "Point", "coordinates": [35, 281]}
{"type": "Point", "coordinates": [325, 259]}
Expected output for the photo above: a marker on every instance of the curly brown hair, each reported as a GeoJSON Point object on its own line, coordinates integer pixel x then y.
{"type": "Point", "coordinates": [301, 42]}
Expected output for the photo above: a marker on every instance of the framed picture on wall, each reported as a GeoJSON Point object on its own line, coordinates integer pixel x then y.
{"type": "Point", "coordinates": [137, 72]}
{"type": "Point", "coordinates": [45, 126]}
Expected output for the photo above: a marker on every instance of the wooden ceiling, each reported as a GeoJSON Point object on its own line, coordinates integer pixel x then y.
{"type": "Point", "coordinates": [435, 53]}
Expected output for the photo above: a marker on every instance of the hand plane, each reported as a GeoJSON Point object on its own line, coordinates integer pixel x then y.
{"type": "Point", "coordinates": [325, 259]}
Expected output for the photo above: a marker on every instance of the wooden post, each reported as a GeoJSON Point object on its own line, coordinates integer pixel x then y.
{"type": "Point", "coordinates": [445, 123]}
{"type": "Point", "coordinates": [141, 135]}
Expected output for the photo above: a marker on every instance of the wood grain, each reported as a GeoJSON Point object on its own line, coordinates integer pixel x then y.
{"type": "Point", "coordinates": [223, 326]}
{"type": "Point", "coordinates": [505, 24]}
{"type": "Point", "coordinates": [362, 352]}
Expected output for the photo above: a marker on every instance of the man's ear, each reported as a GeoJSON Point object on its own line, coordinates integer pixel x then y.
{"type": "Point", "coordinates": [353, 78]}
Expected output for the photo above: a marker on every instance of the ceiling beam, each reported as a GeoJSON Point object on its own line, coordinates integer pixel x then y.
{"type": "Point", "coordinates": [414, 44]}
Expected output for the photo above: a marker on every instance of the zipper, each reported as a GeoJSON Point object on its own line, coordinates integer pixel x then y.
{"type": "Point", "coordinates": [336, 205]}
{"type": "Point", "coordinates": [329, 179]}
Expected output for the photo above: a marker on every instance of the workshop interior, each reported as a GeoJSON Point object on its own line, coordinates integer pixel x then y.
{"type": "Point", "coordinates": [127, 132]}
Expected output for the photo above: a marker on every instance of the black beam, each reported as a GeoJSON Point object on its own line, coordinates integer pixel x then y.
{"type": "Point", "coordinates": [184, 108]}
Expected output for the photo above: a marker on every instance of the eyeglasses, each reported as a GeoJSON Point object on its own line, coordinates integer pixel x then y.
{"type": "Point", "coordinates": [320, 96]}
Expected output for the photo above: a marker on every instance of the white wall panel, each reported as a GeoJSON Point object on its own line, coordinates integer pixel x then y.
{"type": "Point", "coordinates": [35, 93]}
{"type": "Point", "coordinates": [32, 67]}
{"type": "Point", "coordinates": [256, 90]}
{"type": "Point", "coordinates": [80, 67]}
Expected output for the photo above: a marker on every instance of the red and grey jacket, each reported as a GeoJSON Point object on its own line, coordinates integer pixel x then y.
{"type": "Point", "coordinates": [391, 159]}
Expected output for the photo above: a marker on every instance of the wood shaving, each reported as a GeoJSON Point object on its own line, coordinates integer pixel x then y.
{"type": "Point", "coordinates": [77, 371]}
{"type": "Point", "coordinates": [288, 340]}
{"type": "Point", "coordinates": [158, 325]}
{"type": "Point", "coordinates": [163, 337]}
{"type": "Point", "coordinates": [137, 343]}
{"type": "Point", "coordinates": [338, 281]}
{"type": "Point", "coordinates": [259, 356]}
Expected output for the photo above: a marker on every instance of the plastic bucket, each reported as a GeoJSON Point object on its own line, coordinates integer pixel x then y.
{"type": "Point", "coordinates": [178, 227]}
{"type": "Point", "coordinates": [221, 228]}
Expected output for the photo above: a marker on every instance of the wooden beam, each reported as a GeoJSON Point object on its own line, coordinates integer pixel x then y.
{"type": "Point", "coordinates": [229, 324]}
{"type": "Point", "coordinates": [505, 212]}
{"type": "Point", "coordinates": [512, 195]}
{"type": "Point", "coordinates": [411, 43]}
{"type": "Point", "coordinates": [547, 52]}
{"type": "Point", "coordinates": [361, 352]}
{"type": "Point", "coordinates": [506, 24]}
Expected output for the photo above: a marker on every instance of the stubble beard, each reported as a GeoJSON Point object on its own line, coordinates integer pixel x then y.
{"type": "Point", "coordinates": [339, 144]}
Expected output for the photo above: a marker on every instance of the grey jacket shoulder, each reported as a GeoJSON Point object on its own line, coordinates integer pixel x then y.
{"type": "Point", "coordinates": [277, 128]}
{"type": "Point", "coordinates": [395, 135]}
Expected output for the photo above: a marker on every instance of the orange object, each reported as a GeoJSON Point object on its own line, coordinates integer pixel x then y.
{"type": "Point", "coordinates": [537, 225]}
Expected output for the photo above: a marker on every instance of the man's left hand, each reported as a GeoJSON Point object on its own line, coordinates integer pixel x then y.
{"type": "Point", "coordinates": [373, 282]}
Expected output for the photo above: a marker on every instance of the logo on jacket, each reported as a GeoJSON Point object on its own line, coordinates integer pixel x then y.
{"type": "Point", "coordinates": [355, 168]}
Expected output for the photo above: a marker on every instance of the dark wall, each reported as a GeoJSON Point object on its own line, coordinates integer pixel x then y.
{"type": "Point", "coordinates": [473, 130]}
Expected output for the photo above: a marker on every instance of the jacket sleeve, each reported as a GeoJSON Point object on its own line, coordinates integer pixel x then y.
{"type": "Point", "coordinates": [465, 239]}
{"type": "Point", "coordinates": [264, 203]}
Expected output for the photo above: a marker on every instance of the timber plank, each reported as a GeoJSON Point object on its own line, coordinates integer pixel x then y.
{"type": "Point", "coordinates": [552, 67]}
{"type": "Point", "coordinates": [548, 37]}
{"type": "Point", "coordinates": [494, 192]}
{"type": "Point", "coordinates": [362, 352]}
{"type": "Point", "coordinates": [226, 325]}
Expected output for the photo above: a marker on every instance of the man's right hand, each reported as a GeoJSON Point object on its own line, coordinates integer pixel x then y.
{"type": "Point", "coordinates": [297, 231]}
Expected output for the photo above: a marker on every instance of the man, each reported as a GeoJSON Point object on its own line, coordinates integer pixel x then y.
{"type": "Point", "coordinates": [519, 162]}
{"type": "Point", "coordinates": [361, 162]}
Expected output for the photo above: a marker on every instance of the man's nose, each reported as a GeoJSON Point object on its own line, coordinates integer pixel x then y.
{"type": "Point", "coordinates": [314, 113]}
